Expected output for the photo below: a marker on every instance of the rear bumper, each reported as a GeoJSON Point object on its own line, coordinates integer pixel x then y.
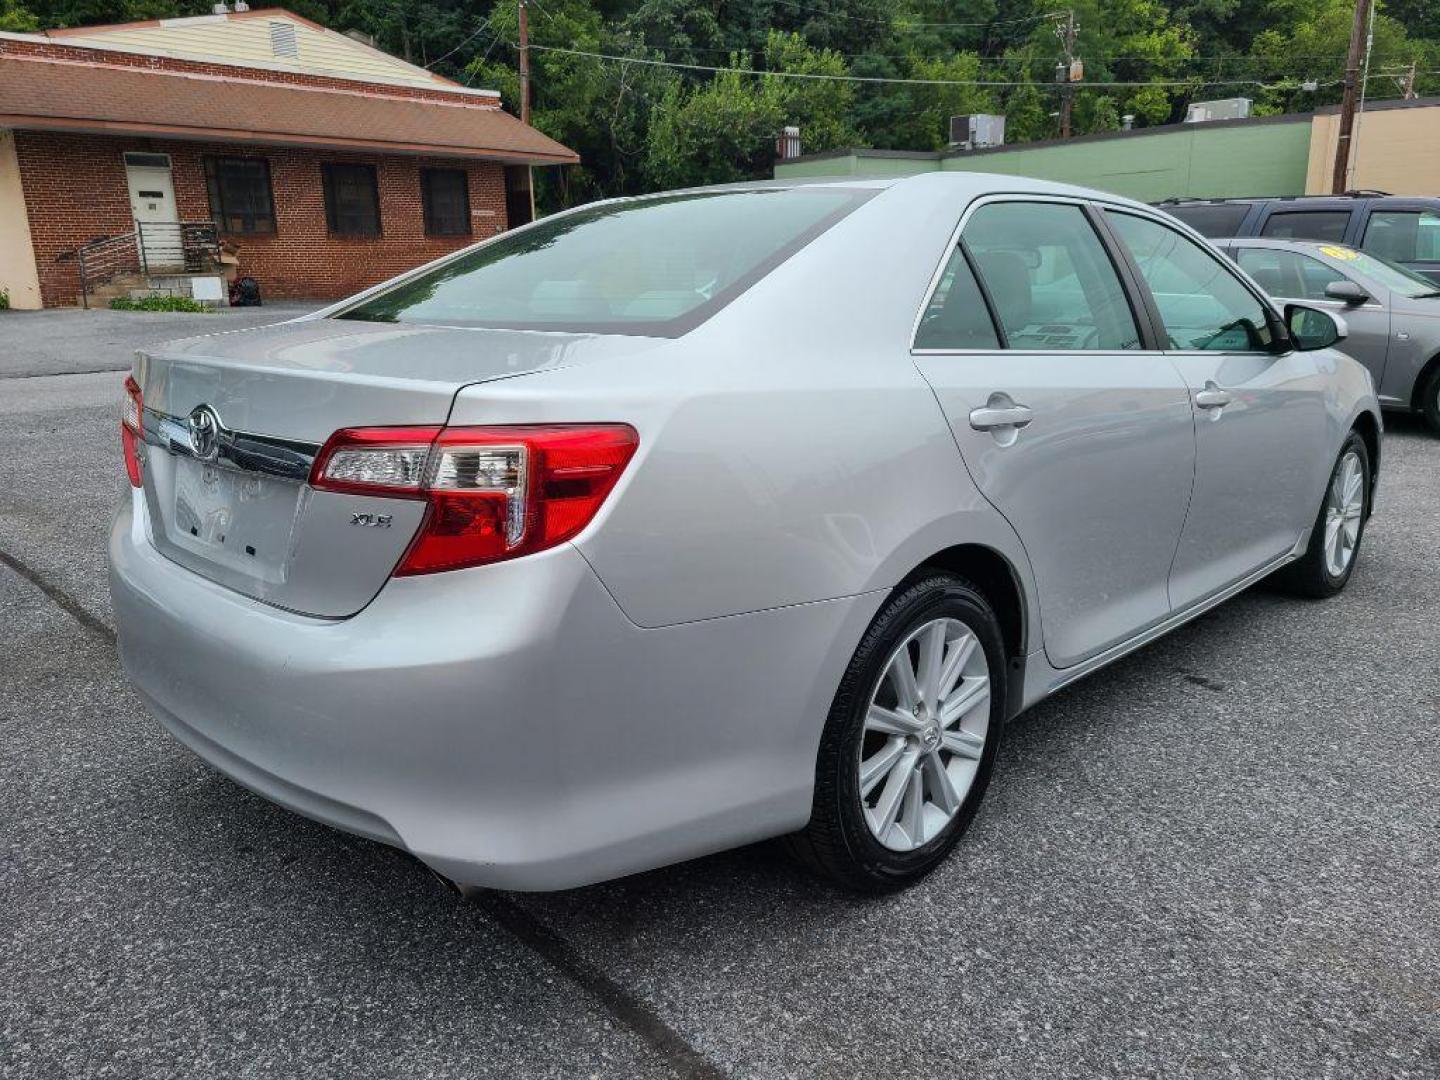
{"type": "Point", "coordinates": [508, 725]}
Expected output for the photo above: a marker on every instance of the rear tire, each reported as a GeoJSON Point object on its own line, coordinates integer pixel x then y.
{"type": "Point", "coordinates": [1334, 547]}
{"type": "Point", "coordinates": [1430, 402]}
{"type": "Point", "coordinates": [898, 781]}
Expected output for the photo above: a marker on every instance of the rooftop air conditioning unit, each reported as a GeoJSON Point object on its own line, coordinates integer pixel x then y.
{"type": "Point", "coordinates": [976, 131]}
{"type": "Point", "coordinates": [1235, 108]}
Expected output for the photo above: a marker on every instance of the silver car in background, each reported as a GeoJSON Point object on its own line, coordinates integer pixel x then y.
{"type": "Point", "coordinates": [669, 524]}
{"type": "Point", "coordinates": [1393, 314]}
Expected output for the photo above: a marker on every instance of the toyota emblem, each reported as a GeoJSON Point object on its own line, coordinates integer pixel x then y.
{"type": "Point", "coordinates": [204, 432]}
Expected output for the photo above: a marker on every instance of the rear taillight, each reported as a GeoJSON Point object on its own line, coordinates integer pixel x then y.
{"type": "Point", "coordinates": [130, 422]}
{"type": "Point", "coordinates": [493, 492]}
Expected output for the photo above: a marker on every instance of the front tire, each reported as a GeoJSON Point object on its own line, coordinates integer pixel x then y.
{"type": "Point", "coordinates": [911, 738]}
{"type": "Point", "coordinates": [1430, 402]}
{"type": "Point", "coordinates": [1334, 547]}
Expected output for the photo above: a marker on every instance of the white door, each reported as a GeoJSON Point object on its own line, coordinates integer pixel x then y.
{"type": "Point", "coordinates": [152, 204]}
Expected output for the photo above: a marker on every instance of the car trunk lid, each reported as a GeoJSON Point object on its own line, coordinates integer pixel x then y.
{"type": "Point", "coordinates": [233, 423]}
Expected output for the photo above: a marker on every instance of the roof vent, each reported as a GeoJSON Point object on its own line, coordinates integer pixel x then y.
{"type": "Point", "coordinates": [282, 40]}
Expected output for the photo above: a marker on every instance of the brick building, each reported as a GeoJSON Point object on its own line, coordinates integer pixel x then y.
{"type": "Point", "coordinates": [323, 165]}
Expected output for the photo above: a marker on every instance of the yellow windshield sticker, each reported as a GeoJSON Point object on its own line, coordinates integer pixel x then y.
{"type": "Point", "coordinates": [1339, 252]}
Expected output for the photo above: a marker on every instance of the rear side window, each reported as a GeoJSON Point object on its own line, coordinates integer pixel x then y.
{"type": "Point", "coordinates": [1307, 225]}
{"type": "Point", "coordinates": [1202, 304]}
{"type": "Point", "coordinates": [1212, 219]}
{"type": "Point", "coordinates": [654, 266]}
{"type": "Point", "coordinates": [957, 317]}
{"type": "Point", "coordinates": [1049, 277]}
{"type": "Point", "coordinates": [1404, 236]}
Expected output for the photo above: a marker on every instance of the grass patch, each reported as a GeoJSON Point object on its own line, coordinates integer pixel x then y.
{"type": "Point", "coordinates": [159, 303]}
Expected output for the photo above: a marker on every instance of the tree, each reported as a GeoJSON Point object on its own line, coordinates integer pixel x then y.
{"type": "Point", "coordinates": [719, 132]}
{"type": "Point", "coordinates": [821, 107]}
{"type": "Point", "coordinates": [1314, 47]}
{"type": "Point", "coordinates": [15, 19]}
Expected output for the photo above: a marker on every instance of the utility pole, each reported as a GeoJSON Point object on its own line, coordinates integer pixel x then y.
{"type": "Point", "coordinates": [1067, 72]}
{"type": "Point", "coordinates": [1352, 93]}
{"type": "Point", "coordinates": [525, 95]}
{"type": "Point", "coordinates": [524, 64]}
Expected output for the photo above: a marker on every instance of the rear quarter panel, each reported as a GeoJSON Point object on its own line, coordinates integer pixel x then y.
{"type": "Point", "coordinates": [789, 450]}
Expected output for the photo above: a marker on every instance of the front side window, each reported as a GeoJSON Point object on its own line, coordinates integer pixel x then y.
{"type": "Point", "coordinates": [352, 200]}
{"type": "Point", "coordinates": [656, 266]}
{"type": "Point", "coordinates": [1404, 236]}
{"type": "Point", "coordinates": [445, 196]}
{"type": "Point", "coordinates": [957, 317]}
{"type": "Point", "coordinates": [240, 195]}
{"type": "Point", "coordinates": [1307, 225]}
{"type": "Point", "coordinates": [1049, 277]}
{"type": "Point", "coordinates": [1201, 303]}
{"type": "Point", "coordinates": [1287, 273]}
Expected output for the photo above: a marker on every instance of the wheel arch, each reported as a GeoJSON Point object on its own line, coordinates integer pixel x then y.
{"type": "Point", "coordinates": [1368, 428]}
{"type": "Point", "coordinates": [1423, 381]}
{"type": "Point", "coordinates": [994, 575]}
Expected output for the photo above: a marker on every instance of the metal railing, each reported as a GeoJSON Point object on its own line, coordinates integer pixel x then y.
{"type": "Point", "coordinates": [155, 247]}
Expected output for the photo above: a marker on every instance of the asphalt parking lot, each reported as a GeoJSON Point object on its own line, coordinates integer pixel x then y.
{"type": "Point", "coordinates": [65, 341]}
{"type": "Point", "coordinates": [1219, 857]}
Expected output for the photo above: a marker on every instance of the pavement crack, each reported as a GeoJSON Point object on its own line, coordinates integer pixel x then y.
{"type": "Point", "coordinates": [61, 374]}
{"type": "Point", "coordinates": [619, 1002]}
{"type": "Point", "coordinates": [59, 597]}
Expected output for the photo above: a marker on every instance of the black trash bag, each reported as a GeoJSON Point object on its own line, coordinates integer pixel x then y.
{"type": "Point", "coordinates": [245, 292]}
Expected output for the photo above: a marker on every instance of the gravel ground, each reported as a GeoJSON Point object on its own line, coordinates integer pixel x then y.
{"type": "Point", "coordinates": [1218, 857]}
{"type": "Point", "coordinates": [68, 340]}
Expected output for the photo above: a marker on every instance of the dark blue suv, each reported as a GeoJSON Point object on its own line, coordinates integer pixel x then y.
{"type": "Point", "coordinates": [1404, 229]}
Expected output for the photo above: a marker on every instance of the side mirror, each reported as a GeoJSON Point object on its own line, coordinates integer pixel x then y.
{"type": "Point", "coordinates": [1346, 292]}
{"type": "Point", "coordinates": [1310, 328]}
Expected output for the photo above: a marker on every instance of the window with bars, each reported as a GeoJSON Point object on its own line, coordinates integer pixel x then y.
{"type": "Point", "coordinates": [352, 199]}
{"type": "Point", "coordinates": [241, 200]}
{"type": "Point", "coordinates": [445, 194]}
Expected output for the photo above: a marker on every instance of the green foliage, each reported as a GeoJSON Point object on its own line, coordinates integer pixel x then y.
{"type": "Point", "coordinates": [159, 303]}
{"type": "Point", "coordinates": [639, 126]}
{"type": "Point", "coordinates": [4, 299]}
{"type": "Point", "coordinates": [714, 133]}
{"type": "Point", "coordinates": [16, 19]}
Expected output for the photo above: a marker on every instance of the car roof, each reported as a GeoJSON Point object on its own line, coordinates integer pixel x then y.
{"type": "Point", "coordinates": [1280, 242]}
{"type": "Point", "coordinates": [1354, 197]}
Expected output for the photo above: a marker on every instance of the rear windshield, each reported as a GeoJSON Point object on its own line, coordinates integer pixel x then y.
{"type": "Point", "coordinates": [1212, 219]}
{"type": "Point", "coordinates": [655, 266]}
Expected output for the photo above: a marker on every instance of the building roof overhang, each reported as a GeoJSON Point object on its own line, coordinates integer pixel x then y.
{"type": "Point", "coordinates": [47, 94]}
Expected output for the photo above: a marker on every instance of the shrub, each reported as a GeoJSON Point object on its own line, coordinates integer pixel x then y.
{"type": "Point", "coordinates": [159, 303]}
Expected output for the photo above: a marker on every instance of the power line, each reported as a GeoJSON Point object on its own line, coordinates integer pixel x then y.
{"type": "Point", "coordinates": [907, 25]}
{"type": "Point", "coordinates": [725, 50]}
{"type": "Point", "coordinates": [877, 79]}
{"type": "Point", "coordinates": [462, 44]}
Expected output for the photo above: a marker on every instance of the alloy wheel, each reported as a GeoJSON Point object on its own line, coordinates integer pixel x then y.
{"type": "Point", "coordinates": [1344, 505]}
{"type": "Point", "coordinates": [924, 734]}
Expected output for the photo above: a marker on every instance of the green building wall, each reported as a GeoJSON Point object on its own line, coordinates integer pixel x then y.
{"type": "Point", "coordinates": [1255, 157]}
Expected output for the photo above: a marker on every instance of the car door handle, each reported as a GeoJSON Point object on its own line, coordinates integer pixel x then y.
{"type": "Point", "coordinates": [1000, 416]}
{"type": "Point", "coordinates": [1212, 397]}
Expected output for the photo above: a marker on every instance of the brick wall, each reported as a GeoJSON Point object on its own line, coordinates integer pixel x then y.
{"type": "Point", "coordinates": [75, 191]}
{"type": "Point", "coordinates": [58, 51]}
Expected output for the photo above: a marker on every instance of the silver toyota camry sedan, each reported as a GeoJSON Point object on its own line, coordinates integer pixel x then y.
{"type": "Point", "coordinates": [669, 524]}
